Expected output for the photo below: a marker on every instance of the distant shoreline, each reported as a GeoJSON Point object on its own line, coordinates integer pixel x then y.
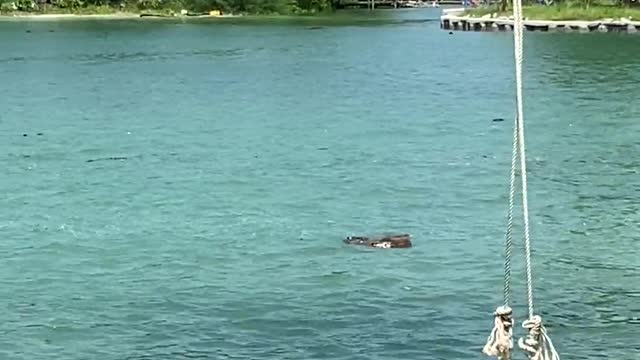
{"type": "Point", "coordinates": [114, 16]}
{"type": "Point", "coordinates": [340, 16]}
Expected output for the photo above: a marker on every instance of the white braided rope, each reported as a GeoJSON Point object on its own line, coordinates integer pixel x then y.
{"type": "Point", "coordinates": [518, 47]}
{"type": "Point", "coordinates": [500, 340]}
{"type": "Point", "coordinates": [508, 242]}
{"type": "Point", "coordinates": [537, 344]}
{"type": "Point", "coordinates": [500, 343]}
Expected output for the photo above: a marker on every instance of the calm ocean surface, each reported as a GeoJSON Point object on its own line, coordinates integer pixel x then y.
{"type": "Point", "coordinates": [251, 149]}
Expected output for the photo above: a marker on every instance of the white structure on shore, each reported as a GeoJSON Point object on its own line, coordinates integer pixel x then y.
{"type": "Point", "coordinates": [455, 19]}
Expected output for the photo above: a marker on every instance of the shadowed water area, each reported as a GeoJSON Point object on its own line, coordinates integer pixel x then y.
{"type": "Point", "coordinates": [180, 190]}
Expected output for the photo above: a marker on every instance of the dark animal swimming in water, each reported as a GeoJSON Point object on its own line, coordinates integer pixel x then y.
{"type": "Point", "coordinates": [383, 242]}
{"type": "Point", "coordinates": [108, 158]}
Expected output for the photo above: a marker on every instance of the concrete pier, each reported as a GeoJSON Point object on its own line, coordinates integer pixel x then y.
{"type": "Point", "coordinates": [454, 19]}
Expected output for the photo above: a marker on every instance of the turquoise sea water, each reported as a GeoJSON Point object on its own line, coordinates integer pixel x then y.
{"type": "Point", "coordinates": [253, 148]}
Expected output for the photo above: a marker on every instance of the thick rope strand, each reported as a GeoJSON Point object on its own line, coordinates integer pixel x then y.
{"type": "Point", "coordinates": [518, 46]}
{"type": "Point", "coordinates": [500, 340]}
{"type": "Point", "coordinates": [508, 243]}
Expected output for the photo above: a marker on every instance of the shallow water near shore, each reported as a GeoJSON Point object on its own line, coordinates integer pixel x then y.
{"type": "Point", "coordinates": [181, 190]}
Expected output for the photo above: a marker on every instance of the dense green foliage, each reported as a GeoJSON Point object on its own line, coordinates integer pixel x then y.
{"type": "Point", "coordinates": [577, 3]}
{"type": "Point", "coordinates": [542, 9]}
{"type": "Point", "coordinates": [566, 9]}
{"type": "Point", "coordinates": [227, 6]}
{"type": "Point", "coordinates": [503, 5]}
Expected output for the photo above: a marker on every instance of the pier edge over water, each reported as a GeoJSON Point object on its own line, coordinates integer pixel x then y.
{"type": "Point", "coordinates": [455, 19]}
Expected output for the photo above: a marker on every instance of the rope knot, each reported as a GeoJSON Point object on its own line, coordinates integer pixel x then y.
{"type": "Point", "coordinates": [537, 344]}
{"type": "Point", "coordinates": [503, 311]}
{"type": "Point", "coordinates": [499, 342]}
{"type": "Point", "coordinates": [534, 325]}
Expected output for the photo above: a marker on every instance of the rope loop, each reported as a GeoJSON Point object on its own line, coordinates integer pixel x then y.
{"type": "Point", "coordinates": [537, 343]}
{"type": "Point", "coordinates": [499, 342]}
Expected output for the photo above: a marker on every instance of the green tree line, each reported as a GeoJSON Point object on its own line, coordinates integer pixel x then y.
{"type": "Point", "coordinates": [504, 5]}
{"type": "Point", "coordinates": [196, 6]}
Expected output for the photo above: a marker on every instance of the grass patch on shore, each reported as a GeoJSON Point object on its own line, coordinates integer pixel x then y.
{"type": "Point", "coordinates": [566, 11]}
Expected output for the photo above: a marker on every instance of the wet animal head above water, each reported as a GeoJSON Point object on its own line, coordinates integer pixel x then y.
{"type": "Point", "coordinates": [357, 240]}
